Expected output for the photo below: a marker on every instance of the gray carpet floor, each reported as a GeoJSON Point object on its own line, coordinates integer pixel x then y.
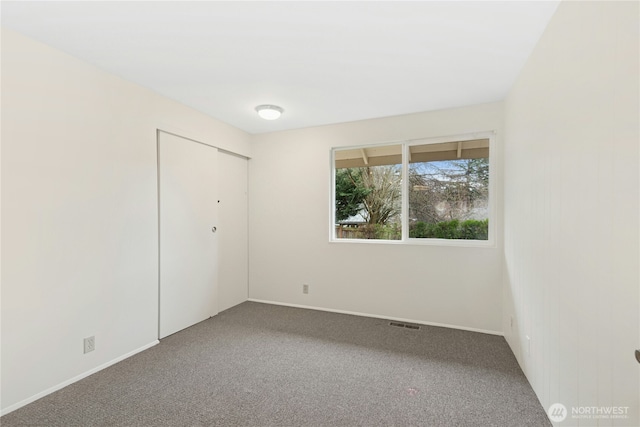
{"type": "Point", "coordinates": [264, 365]}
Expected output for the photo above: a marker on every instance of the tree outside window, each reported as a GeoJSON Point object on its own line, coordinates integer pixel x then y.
{"type": "Point", "coordinates": [447, 191]}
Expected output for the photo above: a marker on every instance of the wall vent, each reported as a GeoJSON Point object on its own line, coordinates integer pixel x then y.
{"type": "Point", "coordinates": [404, 325]}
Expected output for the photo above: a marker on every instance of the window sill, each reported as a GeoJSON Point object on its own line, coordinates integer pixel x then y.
{"type": "Point", "coordinates": [422, 242]}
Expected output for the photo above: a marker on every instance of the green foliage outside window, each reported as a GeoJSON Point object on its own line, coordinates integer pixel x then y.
{"type": "Point", "coordinates": [446, 186]}
{"type": "Point", "coordinates": [350, 192]}
{"type": "Point", "coordinates": [471, 229]}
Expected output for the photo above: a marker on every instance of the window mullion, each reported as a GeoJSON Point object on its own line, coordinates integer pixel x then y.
{"type": "Point", "coordinates": [404, 215]}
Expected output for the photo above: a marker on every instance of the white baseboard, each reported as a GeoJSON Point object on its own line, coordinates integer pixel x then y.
{"type": "Point", "coordinates": [74, 379]}
{"type": "Point", "coordinates": [377, 316]}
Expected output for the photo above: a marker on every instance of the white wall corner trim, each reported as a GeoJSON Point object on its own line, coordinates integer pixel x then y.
{"type": "Point", "coordinates": [377, 316]}
{"type": "Point", "coordinates": [77, 378]}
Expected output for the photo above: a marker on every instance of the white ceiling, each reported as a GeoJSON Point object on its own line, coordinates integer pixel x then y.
{"type": "Point", "coordinates": [323, 62]}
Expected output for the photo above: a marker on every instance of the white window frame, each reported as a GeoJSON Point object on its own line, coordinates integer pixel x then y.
{"type": "Point", "coordinates": [406, 240]}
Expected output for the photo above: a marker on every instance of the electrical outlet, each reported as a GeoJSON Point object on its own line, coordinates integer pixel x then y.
{"type": "Point", "coordinates": [305, 289]}
{"type": "Point", "coordinates": [89, 344]}
{"type": "Point", "coordinates": [528, 346]}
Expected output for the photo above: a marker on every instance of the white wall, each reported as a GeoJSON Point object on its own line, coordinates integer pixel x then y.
{"type": "Point", "coordinates": [289, 193]}
{"type": "Point", "coordinates": [79, 214]}
{"type": "Point", "coordinates": [79, 217]}
{"type": "Point", "coordinates": [571, 210]}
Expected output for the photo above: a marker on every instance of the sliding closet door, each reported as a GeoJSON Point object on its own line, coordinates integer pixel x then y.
{"type": "Point", "coordinates": [188, 198]}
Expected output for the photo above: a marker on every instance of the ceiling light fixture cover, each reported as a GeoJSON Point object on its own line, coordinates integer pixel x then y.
{"type": "Point", "coordinates": [269, 112]}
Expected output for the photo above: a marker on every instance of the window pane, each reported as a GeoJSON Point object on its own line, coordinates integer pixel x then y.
{"type": "Point", "coordinates": [368, 193]}
{"type": "Point", "coordinates": [449, 190]}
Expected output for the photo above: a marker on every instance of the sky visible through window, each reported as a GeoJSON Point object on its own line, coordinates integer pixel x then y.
{"type": "Point", "coordinates": [447, 188]}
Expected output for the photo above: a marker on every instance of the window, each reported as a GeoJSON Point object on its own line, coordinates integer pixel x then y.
{"type": "Point", "coordinates": [445, 196]}
{"type": "Point", "coordinates": [368, 193]}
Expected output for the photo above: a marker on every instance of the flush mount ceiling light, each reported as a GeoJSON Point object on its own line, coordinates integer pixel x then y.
{"type": "Point", "coordinates": [269, 112]}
